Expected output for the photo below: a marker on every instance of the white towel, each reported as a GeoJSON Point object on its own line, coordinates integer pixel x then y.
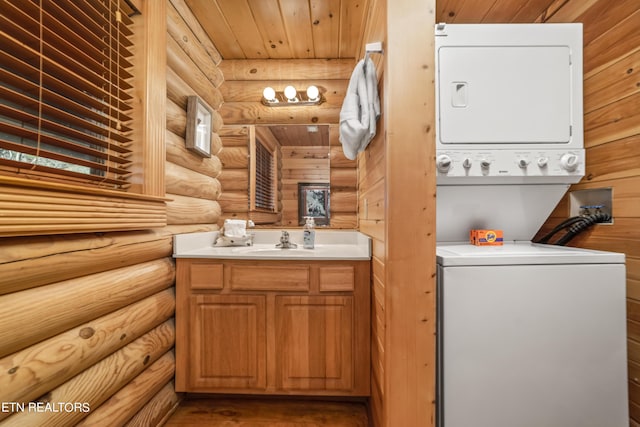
{"type": "Point", "coordinates": [360, 109]}
{"type": "Point", "coordinates": [235, 228]}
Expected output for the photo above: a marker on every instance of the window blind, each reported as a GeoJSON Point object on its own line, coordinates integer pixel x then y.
{"type": "Point", "coordinates": [265, 170]}
{"type": "Point", "coordinates": [65, 106]}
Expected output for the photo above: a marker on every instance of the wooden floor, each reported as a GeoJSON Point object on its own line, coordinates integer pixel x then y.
{"type": "Point", "coordinates": [208, 412]}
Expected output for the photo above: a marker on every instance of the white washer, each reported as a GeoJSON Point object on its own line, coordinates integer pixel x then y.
{"type": "Point", "coordinates": [531, 336]}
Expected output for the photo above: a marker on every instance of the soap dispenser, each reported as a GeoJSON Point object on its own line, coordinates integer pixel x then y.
{"type": "Point", "coordinates": [309, 233]}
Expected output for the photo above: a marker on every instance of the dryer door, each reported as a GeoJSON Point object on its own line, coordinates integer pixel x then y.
{"type": "Point", "coordinates": [504, 94]}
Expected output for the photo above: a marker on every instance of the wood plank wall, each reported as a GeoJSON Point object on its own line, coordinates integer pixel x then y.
{"type": "Point", "coordinates": [372, 201]}
{"type": "Point", "coordinates": [88, 318]}
{"type": "Point", "coordinates": [301, 164]}
{"type": "Point", "coordinates": [397, 210]}
{"type": "Point", "coordinates": [343, 182]}
{"type": "Point", "coordinates": [612, 141]}
{"type": "Point", "coordinates": [371, 216]}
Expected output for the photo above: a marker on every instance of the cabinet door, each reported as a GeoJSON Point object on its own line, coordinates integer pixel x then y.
{"type": "Point", "coordinates": [227, 341]}
{"type": "Point", "coordinates": [314, 339]}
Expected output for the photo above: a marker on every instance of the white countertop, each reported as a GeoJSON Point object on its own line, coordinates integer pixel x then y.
{"type": "Point", "coordinates": [329, 245]}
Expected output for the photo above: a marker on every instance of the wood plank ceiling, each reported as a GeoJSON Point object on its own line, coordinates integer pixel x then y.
{"type": "Point", "coordinates": [283, 29]}
{"type": "Point", "coordinates": [334, 29]}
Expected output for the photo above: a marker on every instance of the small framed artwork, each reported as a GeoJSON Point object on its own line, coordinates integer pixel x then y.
{"type": "Point", "coordinates": [198, 137]}
{"type": "Point", "coordinates": [313, 201]}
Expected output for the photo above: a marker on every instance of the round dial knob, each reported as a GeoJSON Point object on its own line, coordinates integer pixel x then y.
{"type": "Point", "coordinates": [542, 162]}
{"type": "Point", "coordinates": [466, 163]}
{"type": "Point", "coordinates": [523, 163]}
{"type": "Point", "coordinates": [484, 163]}
{"type": "Point", "coordinates": [443, 163]}
{"type": "Point", "coordinates": [569, 162]}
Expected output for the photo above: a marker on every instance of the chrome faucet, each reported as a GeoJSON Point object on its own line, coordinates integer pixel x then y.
{"type": "Point", "coordinates": [284, 241]}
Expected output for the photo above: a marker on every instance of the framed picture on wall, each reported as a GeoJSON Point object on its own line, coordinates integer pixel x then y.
{"type": "Point", "coordinates": [313, 201]}
{"type": "Point", "coordinates": [198, 135]}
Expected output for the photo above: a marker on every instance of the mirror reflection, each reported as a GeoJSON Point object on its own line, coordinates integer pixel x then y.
{"type": "Point", "coordinates": [302, 162]}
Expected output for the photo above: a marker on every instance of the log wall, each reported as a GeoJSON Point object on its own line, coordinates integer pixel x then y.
{"type": "Point", "coordinates": [87, 319]}
{"type": "Point", "coordinates": [234, 177]}
{"type": "Point", "coordinates": [192, 183]}
{"type": "Point", "coordinates": [245, 79]}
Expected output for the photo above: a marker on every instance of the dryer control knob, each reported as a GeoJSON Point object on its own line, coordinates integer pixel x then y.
{"type": "Point", "coordinates": [523, 163]}
{"type": "Point", "coordinates": [542, 162]}
{"type": "Point", "coordinates": [484, 163]}
{"type": "Point", "coordinates": [443, 163]}
{"type": "Point", "coordinates": [466, 163]}
{"type": "Point", "coordinates": [569, 162]}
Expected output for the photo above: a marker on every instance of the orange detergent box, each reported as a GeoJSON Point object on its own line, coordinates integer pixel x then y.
{"type": "Point", "coordinates": [486, 237]}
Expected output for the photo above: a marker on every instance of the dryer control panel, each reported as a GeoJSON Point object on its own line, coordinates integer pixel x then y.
{"type": "Point", "coordinates": [509, 166]}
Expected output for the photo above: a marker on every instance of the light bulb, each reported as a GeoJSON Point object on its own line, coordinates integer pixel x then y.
{"type": "Point", "coordinates": [269, 94]}
{"type": "Point", "coordinates": [290, 92]}
{"type": "Point", "coordinates": [313, 93]}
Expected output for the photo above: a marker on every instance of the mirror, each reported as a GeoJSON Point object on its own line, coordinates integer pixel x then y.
{"type": "Point", "coordinates": [303, 161]}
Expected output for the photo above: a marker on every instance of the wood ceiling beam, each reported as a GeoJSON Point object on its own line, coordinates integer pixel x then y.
{"type": "Point", "coordinates": [287, 69]}
{"type": "Point", "coordinates": [257, 113]}
{"type": "Point", "coordinates": [333, 91]}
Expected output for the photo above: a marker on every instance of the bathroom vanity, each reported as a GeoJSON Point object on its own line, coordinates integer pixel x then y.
{"type": "Point", "coordinates": [261, 320]}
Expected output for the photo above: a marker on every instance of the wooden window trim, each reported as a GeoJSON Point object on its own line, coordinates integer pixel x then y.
{"type": "Point", "coordinates": [270, 146]}
{"type": "Point", "coordinates": [33, 206]}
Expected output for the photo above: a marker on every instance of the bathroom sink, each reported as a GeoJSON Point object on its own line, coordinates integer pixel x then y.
{"type": "Point", "coordinates": [329, 245]}
{"type": "Point", "coordinates": [274, 251]}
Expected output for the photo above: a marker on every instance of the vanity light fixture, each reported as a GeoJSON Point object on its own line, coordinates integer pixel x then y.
{"type": "Point", "coordinates": [313, 93]}
{"type": "Point", "coordinates": [290, 96]}
{"type": "Point", "coordinates": [290, 93]}
{"type": "Point", "coordinates": [269, 94]}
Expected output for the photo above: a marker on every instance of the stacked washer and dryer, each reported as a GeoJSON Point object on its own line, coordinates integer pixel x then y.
{"type": "Point", "coordinates": [529, 335]}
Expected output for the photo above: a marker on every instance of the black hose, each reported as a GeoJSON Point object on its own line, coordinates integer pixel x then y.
{"type": "Point", "coordinates": [564, 224]}
{"type": "Point", "coordinates": [580, 226]}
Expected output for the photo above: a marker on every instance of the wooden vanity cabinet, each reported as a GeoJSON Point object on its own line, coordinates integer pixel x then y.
{"type": "Point", "coordinates": [273, 327]}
